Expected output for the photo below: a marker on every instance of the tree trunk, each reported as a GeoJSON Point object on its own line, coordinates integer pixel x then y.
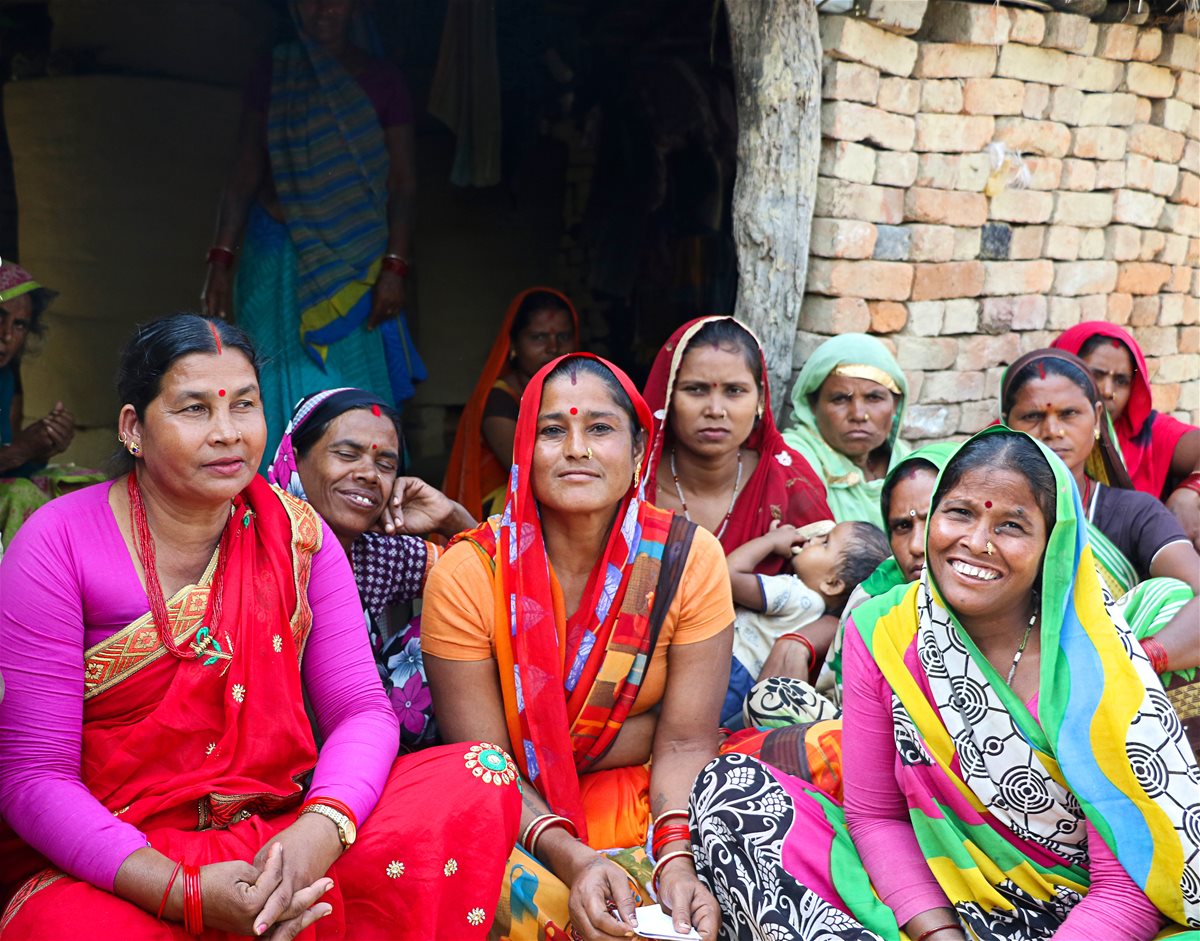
{"type": "Point", "coordinates": [777, 73]}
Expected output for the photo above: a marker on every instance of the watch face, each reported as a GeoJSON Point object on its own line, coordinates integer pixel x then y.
{"type": "Point", "coordinates": [349, 832]}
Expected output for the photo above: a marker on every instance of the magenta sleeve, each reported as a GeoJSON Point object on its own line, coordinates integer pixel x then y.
{"type": "Point", "coordinates": [876, 808]}
{"type": "Point", "coordinates": [41, 716]}
{"type": "Point", "coordinates": [357, 723]}
{"type": "Point", "coordinates": [1113, 898]}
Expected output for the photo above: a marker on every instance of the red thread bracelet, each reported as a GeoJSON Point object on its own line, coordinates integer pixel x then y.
{"type": "Point", "coordinates": [162, 906]}
{"type": "Point", "coordinates": [1190, 482]}
{"type": "Point", "coordinates": [812, 651]}
{"type": "Point", "coordinates": [1159, 659]}
{"type": "Point", "coordinates": [221, 256]}
{"type": "Point", "coordinates": [933, 931]}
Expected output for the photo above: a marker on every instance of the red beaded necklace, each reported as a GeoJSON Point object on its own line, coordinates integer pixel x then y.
{"type": "Point", "coordinates": [144, 541]}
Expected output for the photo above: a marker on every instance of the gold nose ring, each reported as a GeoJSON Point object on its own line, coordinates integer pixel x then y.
{"type": "Point", "coordinates": [589, 454]}
{"type": "Point", "coordinates": [990, 547]}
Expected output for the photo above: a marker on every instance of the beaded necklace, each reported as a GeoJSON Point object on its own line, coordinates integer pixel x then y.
{"type": "Point", "coordinates": [737, 483]}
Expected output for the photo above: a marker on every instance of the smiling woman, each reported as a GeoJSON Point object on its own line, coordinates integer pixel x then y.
{"type": "Point", "coordinates": [973, 806]}
{"type": "Point", "coordinates": [152, 759]}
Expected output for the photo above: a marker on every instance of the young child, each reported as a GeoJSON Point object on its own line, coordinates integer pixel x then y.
{"type": "Point", "coordinates": [828, 565]}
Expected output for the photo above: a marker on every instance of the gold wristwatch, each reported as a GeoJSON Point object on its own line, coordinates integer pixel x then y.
{"type": "Point", "coordinates": [347, 832]}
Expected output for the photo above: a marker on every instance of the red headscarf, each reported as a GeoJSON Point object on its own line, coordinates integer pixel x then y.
{"type": "Point", "coordinates": [783, 487]}
{"type": "Point", "coordinates": [474, 471]}
{"type": "Point", "coordinates": [1148, 439]}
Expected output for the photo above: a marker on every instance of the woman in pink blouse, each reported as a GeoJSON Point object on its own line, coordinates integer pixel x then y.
{"type": "Point", "coordinates": [160, 636]}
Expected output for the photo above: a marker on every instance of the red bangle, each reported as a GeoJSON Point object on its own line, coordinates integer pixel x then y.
{"type": "Point", "coordinates": [221, 256]}
{"type": "Point", "coordinates": [1159, 660]}
{"type": "Point", "coordinates": [193, 905]}
{"type": "Point", "coordinates": [332, 805]}
{"type": "Point", "coordinates": [1190, 482]}
{"type": "Point", "coordinates": [812, 651]}
{"type": "Point", "coordinates": [933, 931]}
{"type": "Point", "coordinates": [396, 264]}
{"type": "Point", "coordinates": [670, 834]}
{"type": "Point", "coordinates": [162, 906]}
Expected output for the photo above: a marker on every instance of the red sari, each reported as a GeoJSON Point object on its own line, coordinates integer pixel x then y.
{"type": "Point", "coordinates": [783, 487]}
{"type": "Point", "coordinates": [208, 771]}
{"type": "Point", "coordinates": [1148, 438]}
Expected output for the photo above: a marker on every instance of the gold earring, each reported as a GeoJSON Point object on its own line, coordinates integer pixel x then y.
{"type": "Point", "coordinates": [1097, 434]}
{"type": "Point", "coordinates": [637, 478]}
{"type": "Point", "coordinates": [133, 448]}
{"type": "Point", "coordinates": [990, 547]}
{"type": "Point", "coordinates": [122, 437]}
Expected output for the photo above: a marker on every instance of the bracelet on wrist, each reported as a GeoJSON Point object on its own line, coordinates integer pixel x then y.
{"type": "Point", "coordinates": [538, 827]}
{"type": "Point", "coordinates": [1190, 482]}
{"type": "Point", "coordinates": [396, 264]}
{"type": "Point", "coordinates": [932, 931]}
{"type": "Point", "coordinates": [221, 256]}
{"type": "Point", "coordinates": [193, 903]}
{"type": "Point", "coordinates": [808, 645]}
{"type": "Point", "coordinates": [1160, 662]}
{"type": "Point", "coordinates": [162, 906]}
{"type": "Point", "coordinates": [662, 863]}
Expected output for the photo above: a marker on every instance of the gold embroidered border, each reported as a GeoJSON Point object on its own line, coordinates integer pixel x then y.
{"type": "Point", "coordinates": [306, 542]}
{"type": "Point", "coordinates": [28, 889]}
{"type": "Point", "coordinates": [135, 647]}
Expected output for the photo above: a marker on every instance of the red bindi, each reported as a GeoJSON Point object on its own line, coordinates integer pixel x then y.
{"type": "Point", "coordinates": [988, 504]}
{"type": "Point", "coordinates": [221, 393]}
{"type": "Point", "coordinates": [1116, 344]}
{"type": "Point", "coordinates": [375, 411]}
{"type": "Point", "coordinates": [574, 410]}
{"type": "Point", "coordinates": [374, 447]}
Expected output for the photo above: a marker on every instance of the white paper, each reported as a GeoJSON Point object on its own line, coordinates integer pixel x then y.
{"type": "Point", "coordinates": [653, 922]}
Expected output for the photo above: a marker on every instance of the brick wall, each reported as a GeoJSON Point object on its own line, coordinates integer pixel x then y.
{"type": "Point", "coordinates": [1092, 214]}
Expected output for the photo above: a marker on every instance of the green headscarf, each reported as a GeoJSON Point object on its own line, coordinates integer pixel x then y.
{"type": "Point", "coordinates": [851, 497]}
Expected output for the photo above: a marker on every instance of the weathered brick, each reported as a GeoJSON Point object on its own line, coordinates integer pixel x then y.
{"type": "Point", "coordinates": [1187, 191]}
{"type": "Point", "coordinates": [1087, 210]}
{"type": "Point", "coordinates": [850, 81]}
{"type": "Point", "coordinates": [1173, 115]}
{"type": "Point", "coordinates": [1045, 173]}
{"type": "Point", "coordinates": [1174, 250]}
{"type": "Point", "coordinates": [967, 243]}
{"type": "Point", "coordinates": [925, 352]}
{"type": "Point", "coordinates": [1122, 242]}
{"type": "Point", "coordinates": [995, 241]}
{"type": "Point", "coordinates": [960, 315]}
{"type": "Point", "coordinates": [1145, 311]}
{"type": "Point", "coordinates": [834, 315]}
{"type": "Point", "coordinates": [1097, 75]}
{"type": "Point", "coordinates": [938, 422]}
{"type": "Point", "coordinates": [1017, 277]}
{"type": "Point", "coordinates": [1157, 341]}
{"type": "Point", "coordinates": [852, 121]}
{"type": "Point", "coordinates": [1112, 110]}
{"type": "Point", "coordinates": [1174, 369]}
{"type": "Point", "coordinates": [848, 161]}
{"type": "Point", "coordinates": [968, 172]}
{"type": "Point", "coordinates": [1028, 206]}
{"type": "Point", "coordinates": [1180, 51]}
{"type": "Point", "coordinates": [945, 207]}
{"type": "Point", "coordinates": [1187, 88]}
{"type": "Point", "coordinates": [1183, 220]}
{"type": "Point", "coordinates": [891, 243]}
{"type": "Point", "coordinates": [925, 318]}
{"type": "Point", "coordinates": [1110, 174]}
{"type": "Point", "coordinates": [988, 352]}
{"type": "Point", "coordinates": [1164, 396]}
{"type": "Point", "coordinates": [1156, 142]}
{"type": "Point", "coordinates": [896, 16]}
{"type": "Point", "coordinates": [1078, 175]}
{"type": "Point", "coordinates": [954, 60]}
{"type": "Point", "coordinates": [1143, 110]}
{"type": "Point", "coordinates": [900, 95]}
{"type": "Point", "coordinates": [1137, 208]}
{"type": "Point", "coordinates": [1152, 243]}
{"type": "Point", "coordinates": [1066, 103]}
{"type": "Point", "coordinates": [1033, 64]}
{"type": "Point", "coordinates": [1099, 143]}
{"type": "Point", "coordinates": [931, 242]}
{"type": "Point", "coordinates": [1093, 39]}
{"type": "Point", "coordinates": [1116, 41]}
{"type": "Point", "coordinates": [1066, 31]}
{"type": "Point", "coordinates": [1063, 313]}
{"type": "Point", "coordinates": [845, 37]}
{"type": "Point", "coordinates": [1027, 241]}
{"type": "Point", "coordinates": [1149, 81]}
{"type": "Point", "coordinates": [842, 200]}
{"type": "Point", "coordinates": [1091, 244]}
{"type": "Point", "coordinates": [952, 387]}
{"type": "Point", "coordinates": [842, 238]}
{"type": "Point", "coordinates": [1017, 312]}
{"type": "Point", "coordinates": [954, 21]}
{"type": "Point", "coordinates": [1149, 45]}
{"type": "Point", "coordinates": [1164, 178]}
{"type": "Point", "coordinates": [1139, 171]}
{"type": "Point", "coordinates": [1073, 278]}
{"type": "Point", "coordinates": [953, 133]}
{"type": "Point", "coordinates": [887, 316]}
{"type": "Point", "coordinates": [1062, 242]}
{"type": "Point", "coordinates": [1193, 253]}
{"type": "Point", "coordinates": [876, 280]}
{"type": "Point", "coordinates": [1189, 340]}
{"type": "Point", "coordinates": [1034, 137]}
{"type": "Point", "coordinates": [1191, 157]}
{"type": "Point", "coordinates": [949, 279]}
{"type": "Point", "coordinates": [989, 96]}
{"type": "Point", "coordinates": [895, 169]}
{"type": "Point", "coordinates": [1142, 277]}
{"type": "Point", "coordinates": [1114, 308]}
{"type": "Point", "coordinates": [943, 96]}
{"type": "Point", "coordinates": [1037, 99]}
{"type": "Point", "coordinates": [1026, 26]}
{"type": "Point", "coordinates": [1181, 279]}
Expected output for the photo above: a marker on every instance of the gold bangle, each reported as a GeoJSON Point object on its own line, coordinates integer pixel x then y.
{"type": "Point", "coordinates": [668, 858]}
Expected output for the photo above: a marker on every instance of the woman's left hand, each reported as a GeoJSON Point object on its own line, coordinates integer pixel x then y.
{"type": "Point", "coordinates": [417, 509]}
{"type": "Point", "coordinates": [310, 847]}
{"type": "Point", "coordinates": [684, 897]}
{"type": "Point", "coordinates": [387, 298]}
{"type": "Point", "coordinates": [1185, 504]}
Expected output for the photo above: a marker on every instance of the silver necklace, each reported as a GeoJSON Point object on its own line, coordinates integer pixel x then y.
{"type": "Point", "coordinates": [1020, 649]}
{"type": "Point", "coordinates": [737, 483]}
